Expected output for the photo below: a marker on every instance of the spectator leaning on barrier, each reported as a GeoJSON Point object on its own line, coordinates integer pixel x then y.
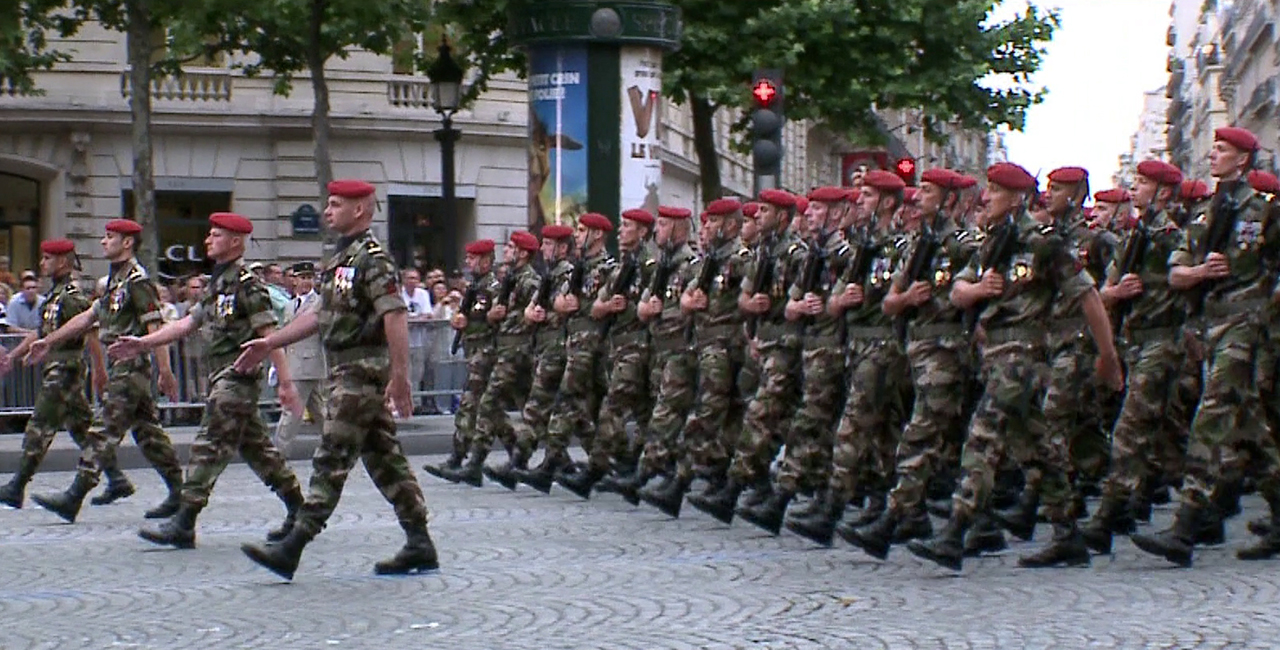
{"type": "Point", "coordinates": [420, 313]}
{"type": "Point", "coordinates": [23, 313]}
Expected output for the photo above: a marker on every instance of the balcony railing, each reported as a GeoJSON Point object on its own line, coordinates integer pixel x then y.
{"type": "Point", "coordinates": [409, 92]}
{"type": "Point", "coordinates": [188, 86]}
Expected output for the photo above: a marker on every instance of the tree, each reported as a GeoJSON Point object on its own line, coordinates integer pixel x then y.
{"type": "Point", "coordinates": [24, 43]}
{"type": "Point", "coordinates": [843, 59]}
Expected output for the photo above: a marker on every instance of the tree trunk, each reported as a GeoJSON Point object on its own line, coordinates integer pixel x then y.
{"type": "Point", "coordinates": [320, 116]}
{"type": "Point", "coordinates": [704, 142]}
{"type": "Point", "coordinates": [139, 45]}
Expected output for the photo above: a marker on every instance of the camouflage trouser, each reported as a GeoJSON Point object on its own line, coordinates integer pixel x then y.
{"type": "Point", "coordinates": [941, 372]}
{"type": "Point", "coordinates": [628, 396]}
{"type": "Point", "coordinates": [875, 409]}
{"type": "Point", "coordinates": [1009, 423]}
{"type": "Point", "coordinates": [765, 425]}
{"type": "Point", "coordinates": [674, 372]}
{"type": "Point", "coordinates": [480, 362]}
{"type": "Point", "coordinates": [1229, 437]}
{"type": "Point", "coordinates": [358, 426]}
{"type": "Point", "coordinates": [1145, 417]}
{"type": "Point", "coordinates": [1268, 368]}
{"type": "Point", "coordinates": [532, 425]}
{"type": "Point", "coordinates": [703, 447]}
{"type": "Point", "coordinates": [60, 402]}
{"type": "Point", "coordinates": [129, 403]}
{"type": "Point", "coordinates": [748, 382]}
{"type": "Point", "coordinates": [232, 424]}
{"type": "Point", "coordinates": [808, 455]}
{"type": "Point", "coordinates": [511, 365]}
{"type": "Point", "coordinates": [1172, 449]}
{"type": "Point", "coordinates": [581, 391]}
{"type": "Point", "coordinates": [1072, 407]}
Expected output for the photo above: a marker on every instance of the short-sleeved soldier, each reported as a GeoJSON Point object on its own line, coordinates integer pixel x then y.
{"type": "Point", "coordinates": [61, 400]}
{"type": "Point", "coordinates": [129, 307]}
{"type": "Point", "coordinates": [477, 337]}
{"type": "Point", "coordinates": [1023, 269]}
{"type": "Point", "coordinates": [364, 327]}
{"type": "Point", "coordinates": [236, 309]}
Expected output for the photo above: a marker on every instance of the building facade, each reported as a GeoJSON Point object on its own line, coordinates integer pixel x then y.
{"type": "Point", "coordinates": [1150, 141]}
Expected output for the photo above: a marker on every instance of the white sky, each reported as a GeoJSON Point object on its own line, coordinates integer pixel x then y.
{"type": "Point", "coordinates": [1105, 55]}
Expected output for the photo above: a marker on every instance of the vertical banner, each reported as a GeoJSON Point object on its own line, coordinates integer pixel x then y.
{"type": "Point", "coordinates": [557, 134]}
{"type": "Point", "coordinates": [640, 69]}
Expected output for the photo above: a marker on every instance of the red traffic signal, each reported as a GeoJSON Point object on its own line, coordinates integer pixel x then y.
{"type": "Point", "coordinates": [764, 91]}
{"type": "Point", "coordinates": [906, 170]}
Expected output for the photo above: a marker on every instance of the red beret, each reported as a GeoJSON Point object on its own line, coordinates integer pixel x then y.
{"type": "Point", "coordinates": [1011, 176]}
{"type": "Point", "coordinates": [884, 181]}
{"type": "Point", "coordinates": [1194, 190]}
{"type": "Point", "coordinates": [944, 178]}
{"type": "Point", "coordinates": [780, 198]}
{"type": "Point", "coordinates": [750, 209]}
{"type": "Point", "coordinates": [597, 221]}
{"type": "Point", "coordinates": [1237, 137]}
{"type": "Point", "coordinates": [679, 214]}
{"type": "Point", "coordinates": [557, 232]}
{"type": "Point", "coordinates": [231, 221]}
{"type": "Point", "coordinates": [351, 189]}
{"type": "Point", "coordinates": [525, 240]}
{"type": "Point", "coordinates": [723, 207]}
{"type": "Point", "coordinates": [802, 204]}
{"type": "Point", "coordinates": [829, 194]}
{"type": "Point", "coordinates": [965, 181]}
{"type": "Point", "coordinates": [702, 218]}
{"type": "Point", "coordinates": [1264, 181]}
{"type": "Point", "coordinates": [1069, 175]}
{"type": "Point", "coordinates": [1115, 195]}
{"type": "Point", "coordinates": [57, 247]}
{"type": "Point", "coordinates": [480, 247]}
{"type": "Point", "coordinates": [909, 195]}
{"type": "Point", "coordinates": [639, 216]}
{"type": "Point", "coordinates": [1160, 172]}
{"type": "Point", "coordinates": [124, 226]}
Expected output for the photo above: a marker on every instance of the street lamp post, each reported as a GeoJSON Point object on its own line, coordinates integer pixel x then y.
{"type": "Point", "coordinates": [445, 76]}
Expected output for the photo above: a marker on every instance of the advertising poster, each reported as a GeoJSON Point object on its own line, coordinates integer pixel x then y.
{"type": "Point", "coordinates": [557, 134]}
{"type": "Point", "coordinates": [641, 71]}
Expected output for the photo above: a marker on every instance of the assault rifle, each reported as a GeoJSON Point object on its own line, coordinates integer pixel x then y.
{"type": "Point", "coordinates": [918, 268]}
{"type": "Point", "coordinates": [621, 282]}
{"type": "Point", "coordinates": [996, 257]}
{"type": "Point", "coordinates": [662, 277]}
{"type": "Point", "coordinates": [1222, 223]}
{"type": "Point", "coordinates": [1135, 250]}
{"type": "Point", "coordinates": [761, 279]}
{"type": "Point", "coordinates": [815, 266]}
{"type": "Point", "coordinates": [468, 303]}
{"type": "Point", "coordinates": [706, 275]}
{"type": "Point", "coordinates": [577, 277]}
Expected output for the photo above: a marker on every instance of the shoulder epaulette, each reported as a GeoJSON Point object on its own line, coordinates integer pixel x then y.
{"type": "Point", "coordinates": [245, 275]}
{"type": "Point", "coordinates": [744, 252]}
{"type": "Point", "coordinates": [650, 262]}
{"type": "Point", "coordinates": [962, 235]}
{"type": "Point", "coordinates": [1047, 229]}
{"type": "Point", "coordinates": [372, 246]}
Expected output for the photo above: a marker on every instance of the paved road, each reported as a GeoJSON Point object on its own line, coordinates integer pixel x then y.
{"type": "Point", "coordinates": [526, 571]}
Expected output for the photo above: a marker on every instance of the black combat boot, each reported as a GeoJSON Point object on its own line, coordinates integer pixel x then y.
{"type": "Point", "coordinates": [418, 555]}
{"type": "Point", "coordinates": [876, 504]}
{"type": "Point", "coordinates": [874, 538]}
{"type": "Point", "coordinates": [118, 487]}
{"type": "Point", "coordinates": [1176, 543]}
{"type": "Point", "coordinates": [542, 477]}
{"type": "Point", "coordinates": [915, 525]}
{"type": "Point", "coordinates": [628, 486]}
{"type": "Point", "coordinates": [281, 557]}
{"type": "Point", "coordinates": [984, 538]}
{"type": "Point", "coordinates": [1020, 520]}
{"type": "Point", "coordinates": [66, 504]}
{"type": "Point", "coordinates": [1212, 530]}
{"type": "Point", "coordinates": [179, 531]}
{"type": "Point", "coordinates": [452, 463]}
{"type": "Point", "coordinates": [1269, 544]}
{"type": "Point", "coordinates": [667, 496]}
{"type": "Point", "coordinates": [1261, 526]}
{"type": "Point", "coordinates": [1067, 548]}
{"type": "Point", "coordinates": [14, 492]}
{"type": "Point", "coordinates": [293, 501]}
{"type": "Point", "coordinates": [580, 482]}
{"type": "Point", "coordinates": [819, 524]}
{"type": "Point", "coordinates": [1112, 518]}
{"type": "Point", "coordinates": [939, 507]}
{"type": "Point", "coordinates": [168, 507]}
{"type": "Point", "coordinates": [947, 547]}
{"type": "Point", "coordinates": [471, 473]}
{"type": "Point", "coordinates": [757, 493]}
{"type": "Point", "coordinates": [769, 515]}
{"type": "Point", "coordinates": [1226, 497]}
{"type": "Point", "coordinates": [505, 474]}
{"type": "Point", "coordinates": [721, 504]}
{"type": "Point", "coordinates": [1140, 506]}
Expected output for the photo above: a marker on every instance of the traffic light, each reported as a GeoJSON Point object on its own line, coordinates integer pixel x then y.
{"type": "Point", "coordinates": [905, 168]}
{"type": "Point", "coordinates": [766, 127]}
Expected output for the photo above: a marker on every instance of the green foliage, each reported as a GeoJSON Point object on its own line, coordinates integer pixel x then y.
{"type": "Point", "coordinates": [24, 42]}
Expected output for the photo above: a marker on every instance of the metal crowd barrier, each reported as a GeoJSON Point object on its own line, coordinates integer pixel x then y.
{"type": "Point", "coordinates": [441, 376]}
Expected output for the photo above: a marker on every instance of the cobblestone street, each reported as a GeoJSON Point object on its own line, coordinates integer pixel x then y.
{"type": "Point", "coordinates": [526, 571]}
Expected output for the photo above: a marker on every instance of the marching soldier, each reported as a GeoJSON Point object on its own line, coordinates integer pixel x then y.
{"type": "Point", "coordinates": [1021, 271]}
{"type": "Point", "coordinates": [236, 308]}
{"type": "Point", "coordinates": [1193, 201]}
{"type": "Point", "coordinates": [364, 326]}
{"type": "Point", "coordinates": [305, 360]}
{"type": "Point", "coordinates": [61, 400]}
{"type": "Point", "coordinates": [129, 307]}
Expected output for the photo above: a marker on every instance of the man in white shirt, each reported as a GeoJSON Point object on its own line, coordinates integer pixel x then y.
{"type": "Point", "coordinates": [305, 358]}
{"type": "Point", "coordinates": [420, 311]}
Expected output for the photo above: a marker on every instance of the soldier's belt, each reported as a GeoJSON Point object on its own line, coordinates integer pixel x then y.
{"type": "Point", "coordinates": [1223, 309]}
{"type": "Point", "coordinates": [352, 355]}
{"type": "Point", "coordinates": [513, 340]}
{"type": "Point", "coordinates": [1151, 334]}
{"type": "Point", "coordinates": [549, 337]}
{"type": "Point", "coordinates": [213, 362]}
{"type": "Point", "coordinates": [64, 356]}
{"type": "Point", "coordinates": [1067, 327]}
{"type": "Point", "coordinates": [582, 324]}
{"type": "Point", "coordinates": [670, 344]}
{"type": "Point", "coordinates": [712, 332]}
{"type": "Point", "coordinates": [629, 338]}
{"type": "Point", "coordinates": [935, 331]}
{"type": "Point", "coordinates": [1030, 335]}
{"type": "Point", "coordinates": [882, 332]}
{"type": "Point", "coordinates": [769, 330]}
{"type": "Point", "coordinates": [826, 341]}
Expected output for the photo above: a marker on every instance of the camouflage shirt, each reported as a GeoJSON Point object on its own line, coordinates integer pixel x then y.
{"type": "Point", "coordinates": [786, 253]}
{"type": "Point", "coordinates": [888, 249]}
{"type": "Point", "coordinates": [558, 275]}
{"type": "Point", "coordinates": [731, 261]}
{"type": "Point", "coordinates": [524, 281]}
{"type": "Point", "coordinates": [485, 288]}
{"type": "Point", "coordinates": [836, 254]}
{"type": "Point", "coordinates": [594, 270]}
{"type": "Point", "coordinates": [63, 302]}
{"type": "Point", "coordinates": [670, 325]}
{"type": "Point", "coordinates": [627, 321]}
{"type": "Point", "coordinates": [1252, 247]}
{"type": "Point", "coordinates": [1159, 305]}
{"type": "Point", "coordinates": [130, 303]}
{"type": "Point", "coordinates": [358, 286]}
{"type": "Point", "coordinates": [236, 306]}
{"type": "Point", "coordinates": [953, 253]}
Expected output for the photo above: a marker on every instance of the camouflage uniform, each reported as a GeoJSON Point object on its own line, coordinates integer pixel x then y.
{"type": "Point", "coordinates": [512, 363]}
{"type": "Point", "coordinates": [477, 342]}
{"type": "Point", "coordinates": [359, 286]}
{"type": "Point", "coordinates": [236, 306]}
{"type": "Point", "coordinates": [583, 386]}
{"type": "Point", "coordinates": [549, 350]}
{"type": "Point", "coordinates": [673, 366]}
